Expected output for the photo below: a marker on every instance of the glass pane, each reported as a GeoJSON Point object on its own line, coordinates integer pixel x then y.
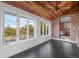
{"type": "Point", "coordinates": [23, 28]}
{"type": "Point", "coordinates": [44, 28]}
{"type": "Point", "coordinates": [31, 28]}
{"type": "Point", "coordinates": [47, 30]}
{"type": "Point", "coordinates": [41, 28]}
{"type": "Point", "coordinates": [10, 28]}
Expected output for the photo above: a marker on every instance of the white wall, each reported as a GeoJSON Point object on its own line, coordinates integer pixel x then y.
{"type": "Point", "coordinates": [12, 49]}
{"type": "Point", "coordinates": [9, 50]}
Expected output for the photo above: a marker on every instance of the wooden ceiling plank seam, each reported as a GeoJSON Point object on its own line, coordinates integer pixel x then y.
{"type": "Point", "coordinates": [47, 8]}
{"type": "Point", "coordinates": [43, 9]}
{"type": "Point", "coordinates": [28, 7]}
{"type": "Point", "coordinates": [33, 10]}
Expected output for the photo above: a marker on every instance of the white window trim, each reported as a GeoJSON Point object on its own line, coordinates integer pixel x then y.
{"type": "Point", "coordinates": [47, 23]}
{"type": "Point", "coordinates": [34, 27]}
{"type": "Point", "coordinates": [4, 11]}
{"type": "Point", "coordinates": [42, 28]}
{"type": "Point", "coordinates": [46, 28]}
{"type": "Point", "coordinates": [2, 27]}
{"type": "Point", "coordinates": [17, 29]}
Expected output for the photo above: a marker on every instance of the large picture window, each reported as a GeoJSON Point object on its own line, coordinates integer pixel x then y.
{"type": "Point", "coordinates": [22, 28]}
{"type": "Point", "coordinates": [17, 27]}
{"type": "Point", "coordinates": [10, 27]}
{"type": "Point", "coordinates": [31, 27]}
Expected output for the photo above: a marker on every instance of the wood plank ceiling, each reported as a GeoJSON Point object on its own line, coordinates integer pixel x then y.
{"type": "Point", "coordinates": [47, 9]}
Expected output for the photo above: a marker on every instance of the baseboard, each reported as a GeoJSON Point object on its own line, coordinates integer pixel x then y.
{"type": "Point", "coordinates": [64, 40]}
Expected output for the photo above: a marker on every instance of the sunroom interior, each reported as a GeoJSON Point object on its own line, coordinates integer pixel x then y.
{"type": "Point", "coordinates": [31, 25]}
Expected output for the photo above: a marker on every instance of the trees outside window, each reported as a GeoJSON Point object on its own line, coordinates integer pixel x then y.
{"type": "Point", "coordinates": [44, 28]}
{"type": "Point", "coordinates": [10, 27]}
{"type": "Point", "coordinates": [31, 27]}
{"type": "Point", "coordinates": [22, 28]}
{"type": "Point", "coordinates": [41, 28]}
{"type": "Point", "coordinates": [47, 29]}
{"type": "Point", "coordinates": [17, 27]}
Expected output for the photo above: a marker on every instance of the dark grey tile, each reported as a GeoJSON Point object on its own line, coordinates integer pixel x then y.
{"type": "Point", "coordinates": [51, 49]}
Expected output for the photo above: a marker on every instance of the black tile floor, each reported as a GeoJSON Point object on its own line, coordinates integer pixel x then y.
{"type": "Point", "coordinates": [51, 49]}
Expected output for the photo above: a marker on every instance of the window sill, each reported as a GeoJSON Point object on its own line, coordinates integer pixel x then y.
{"type": "Point", "coordinates": [26, 40]}
{"type": "Point", "coordinates": [14, 43]}
{"type": "Point", "coordinates": [9, 44]}
{"type": "Point", "coordinates": [44, 35]}
{"type": "Point", "coordinates": [20, 41]}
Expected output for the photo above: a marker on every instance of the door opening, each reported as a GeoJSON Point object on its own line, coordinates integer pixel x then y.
{"type": "Point", "coordinates": [65, 28]}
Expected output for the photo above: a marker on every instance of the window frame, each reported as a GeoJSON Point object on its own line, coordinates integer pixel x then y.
{"type": "Point", "coordinates": [34, 27]}
{"type": "Point", "coordinates": [17, 28]}
{"type": "Point", "coordinates": [48, 28]}
{"type": "Point", "coordinates": [46, 23]}
{"type": "Point", "coordinates": [41, 30]}
{"type": "Point", "coordinates": [10, 13]}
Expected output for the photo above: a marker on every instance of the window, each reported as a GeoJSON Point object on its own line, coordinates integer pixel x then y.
{"type": "Point", "coordinates": [23, 28]}
{"type": "Point", "coordinates": [10, 27]}
{"type": "Point", "coordinates": [44, 28]}
{"type": "Point", "coordinates": [31, 27]}
{"type": "Point", "coordinates": [41, 28]}
{"type": "Point", "coordinates": [47, 29]}
{"type": "Point", "coordinates": [17, 27]}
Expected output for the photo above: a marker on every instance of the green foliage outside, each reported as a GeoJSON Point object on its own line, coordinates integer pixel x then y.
{"type": "Point", "coordinates": [41, 27]}
{"type": "Point", "coordinates": [44, 29]}
{"type": "Point", "coordinates": [47, 29]}
{"type": "Point", "coordinates": [31, 29]}
{"type": "Point", "coordinates": [23, 32]}
{"type": "Point", "coordinates": [9, 31]}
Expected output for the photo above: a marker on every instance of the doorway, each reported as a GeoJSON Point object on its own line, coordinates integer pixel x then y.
{"type": "Point", "coordinates": [65, 28]}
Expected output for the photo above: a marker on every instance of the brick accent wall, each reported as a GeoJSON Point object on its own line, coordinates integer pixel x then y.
{"type": "Point", "coordinates": [74, 27]}
{"type": "Point", "coordinates": [55, 28]}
